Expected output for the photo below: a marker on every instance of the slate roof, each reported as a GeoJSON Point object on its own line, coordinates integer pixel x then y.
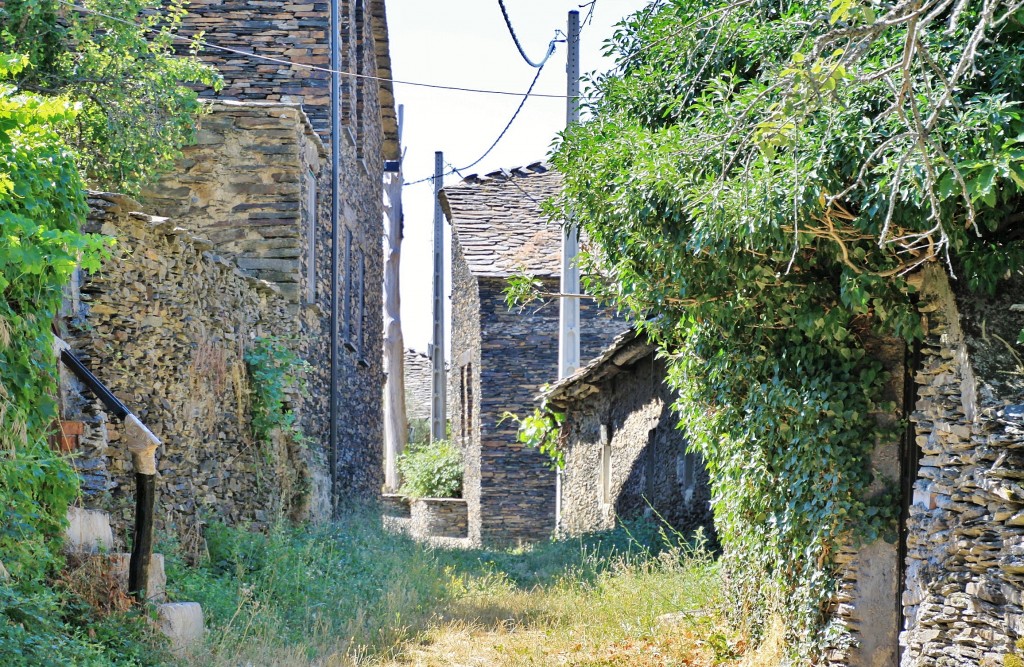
{"type": "Point", "coordinates": [499, 223]}
{"type": "Point", "coordinates": [626, 349]}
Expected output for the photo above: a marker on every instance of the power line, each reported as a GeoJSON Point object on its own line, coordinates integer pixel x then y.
{"type": "Point", "coordinates": [515, 38]}
{"type": "Point", "coordinates": [511, 120]}
{"type": "Point", "coordinates": [316, 68]}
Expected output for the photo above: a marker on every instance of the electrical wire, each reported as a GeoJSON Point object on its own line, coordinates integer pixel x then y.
{"type": "Point", "coordinates": [511, 120]}
{"type": "Point", "coordinates": [515, 38]}
{"type": "Point", "coordinates": [316, 68]}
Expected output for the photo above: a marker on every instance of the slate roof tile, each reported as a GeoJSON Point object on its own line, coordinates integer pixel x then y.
{"type": "Point", "coordinates": [498, 221]}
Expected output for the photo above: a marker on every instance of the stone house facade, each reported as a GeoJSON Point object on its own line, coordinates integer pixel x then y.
{"type": "Point", "coordinates": [257, 192]}
{"type": "Point", "coordinates": [501, 357]}
{"type": "Point", "coordinates": [259, 184]}
{"type": "Point", "coordinates": [624, 455]}
{"type": "Point", "coordinates": [417, 386]}
{"type": "Point", "coordinates": [165, 324]}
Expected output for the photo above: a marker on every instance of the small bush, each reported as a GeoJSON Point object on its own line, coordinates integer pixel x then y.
{"type": "Point", "coordinates": [431, 470]}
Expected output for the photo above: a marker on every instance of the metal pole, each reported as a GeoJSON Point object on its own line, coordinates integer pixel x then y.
{"type": "Point", "coordinates": [438, 417]}
{"type": "Point", "coordinates": [335, 249]}
{"type": "Point", "coordinates": [569, 306]}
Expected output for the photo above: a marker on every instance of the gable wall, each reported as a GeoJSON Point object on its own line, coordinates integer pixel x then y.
{"type": "Point", "coordinates": [650, 468]}
{"type": "Point", "coordinates": [518, 354]}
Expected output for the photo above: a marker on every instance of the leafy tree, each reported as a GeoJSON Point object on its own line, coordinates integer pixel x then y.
{"type": "Point", "coordinates": [119, 61]}
{"type": "Point", "coordinates": [756, 178]}
{"type": "Point", "coordinates": [98, 94]}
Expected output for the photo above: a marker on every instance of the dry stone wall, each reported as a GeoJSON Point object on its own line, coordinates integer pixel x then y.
{"type": "Point", "coordinates": [165, 324]}
{"type": "Point", "coordinates": [417, 385]}
{"type": "Point", "coordinates": [648, 470]}
{"type": "Point", "coordinates": [963, 601]}
{"type": "Point", "coordinates": [514, 494]}
{"type": "Point", "coordinates": [257, 184]}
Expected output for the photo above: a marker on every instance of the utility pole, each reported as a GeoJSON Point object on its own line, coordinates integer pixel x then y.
{"type": "Point", "coordinates": [438, 416]}
{"type": "Point", "coordinates": [569, 306]}
{"type": "Point", "coordinates": [395, 421]}
{"type": "Point", "coordinates": [335, 245]}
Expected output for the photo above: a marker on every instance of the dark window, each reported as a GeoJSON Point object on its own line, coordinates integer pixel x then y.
{"type": "Point", "coordinates": [360, 315]}
{"type": "Point", "coordinates": [311, 206]}
{"type": "Point", "coordinates": [345, 314]}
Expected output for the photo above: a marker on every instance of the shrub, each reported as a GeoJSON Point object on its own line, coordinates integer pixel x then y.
{"type": "Point", "coordinates": [431, 470]}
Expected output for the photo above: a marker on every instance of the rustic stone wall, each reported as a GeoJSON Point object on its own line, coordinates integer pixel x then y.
{"type": "Point", "coordinates": [257, 183]}
{"type": "Point", "coordinates": [963, 600]}
{"type": "Point", "coordinates": [438, 517]}
{"type": "Point", "coordinates": [518, 354]}
{"type": "Point", "coordinates": [298, 33]}
{"type": "Point", "coordinates": [464, 381]}
{"type": "Point", "coordinates": [649, 469]}
{"type": "Point", "coordinates": [165, 324]}
{"type": "Point", "coordinates": [418, 385]}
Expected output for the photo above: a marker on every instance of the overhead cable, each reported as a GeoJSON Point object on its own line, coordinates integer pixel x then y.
{"type": "Point", "coordinates": [290, 63]}
{"type": "Point", "coordinates": [515, 38]}
{"type": "Point", "coordinates": [477, 161]}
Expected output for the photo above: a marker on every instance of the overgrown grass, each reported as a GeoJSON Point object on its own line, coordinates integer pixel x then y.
{"type": "Point", "coordinates": [352, 594]}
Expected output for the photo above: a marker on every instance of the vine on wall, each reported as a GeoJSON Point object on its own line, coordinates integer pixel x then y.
{"type": "Point", "coordinates": [755, 180]}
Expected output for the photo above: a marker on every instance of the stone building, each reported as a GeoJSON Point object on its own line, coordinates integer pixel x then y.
{"type": "Point", "coordinates": [284, 204]}
{"type": "Point", "coordinates": [624, 455]}
{"type": "Point", "coordinates": [417, 386]}
{"type": "Point", "coordinates": [501, 357]}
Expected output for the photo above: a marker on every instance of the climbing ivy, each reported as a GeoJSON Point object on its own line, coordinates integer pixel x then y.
{"type": "Point", "coordinates": [755, 180]}
{"type": "Point", "coordinates": [275, 372]}
{"type": "Point", "coordinates": [41, 204]}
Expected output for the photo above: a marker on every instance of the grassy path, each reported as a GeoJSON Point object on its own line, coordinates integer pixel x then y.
{"type": "Point", "coordinates": [350, 594]}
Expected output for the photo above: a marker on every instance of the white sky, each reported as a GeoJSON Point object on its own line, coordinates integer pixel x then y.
{"type": "Point", "coordinates": [465, 43]}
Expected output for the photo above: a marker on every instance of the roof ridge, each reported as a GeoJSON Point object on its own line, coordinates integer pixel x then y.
{"type": "Point", "coordinates": [502, 175]}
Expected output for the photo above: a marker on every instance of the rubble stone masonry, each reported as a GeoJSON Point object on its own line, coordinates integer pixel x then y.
{"type": "Point", "coordinates": [963, 601]}
{"type": "Point", "coordinates": [165, 324]}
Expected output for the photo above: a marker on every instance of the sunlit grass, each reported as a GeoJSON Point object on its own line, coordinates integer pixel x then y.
{"type": "Point", "coordinates": [353, 594]}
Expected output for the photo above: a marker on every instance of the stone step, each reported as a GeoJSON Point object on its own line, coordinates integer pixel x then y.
{"type": "Point", "coordinates": [88, 531]}
{"type": "Point", "coordinates": [156, 589]}
{"type": "Point", "coordinates": [182, 623]}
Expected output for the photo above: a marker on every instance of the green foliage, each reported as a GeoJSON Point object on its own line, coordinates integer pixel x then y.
{"type": "Point", "coordinates": [541, 430]}
{"type": "Point", "coordinates": [133, 91]}
{"type": "Point", "coordinates": [41, 204]}
{"type": "Point", "coordinates": [431, 470]}
{"type": "Point", "coordinates": [308, 591]}
{"type": "Point", "coordinates": [757, 178]}
{"type": "Point", "coordinates": [275, 372]}
{"type": "Point", "coordinates": [44, 628]}
{"type": "Point", "coordinates": [522, 289]}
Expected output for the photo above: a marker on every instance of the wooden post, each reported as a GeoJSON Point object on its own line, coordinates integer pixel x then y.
{"type": "Point", "coordinates": [395, 421]}
{"type": "Point", "coordinates": [142, 444]}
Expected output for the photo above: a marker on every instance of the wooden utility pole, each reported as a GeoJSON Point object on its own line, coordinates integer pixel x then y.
{"type": "Point", "coordinates": [438, 415]}
{"type": "Point", "coordinates": [569, 304]}
{"type": "Point", "coordinates": [395, 423]}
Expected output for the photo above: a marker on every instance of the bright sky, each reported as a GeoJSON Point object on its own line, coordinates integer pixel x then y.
{"type": "Point", "coordinates": [465, 43]}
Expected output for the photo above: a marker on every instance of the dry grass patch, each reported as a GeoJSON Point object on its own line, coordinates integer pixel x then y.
{"type": "Point", "coordinates": [635, 609]}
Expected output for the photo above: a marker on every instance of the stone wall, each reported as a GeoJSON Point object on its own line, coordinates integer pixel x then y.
{"type": "Point", "coordinates": [298, 33]}
{"type": "Point", "coordinates": [165, 324]}
{"type": "Point", "coordinates": [963, 600]}
{"type": "Point", "coordinates": [438, 517]}
{"type": "Point", "coordinates": [629, 417]}
{"type": "Point", "coordinates": [258, 185]}
{"type": "Point", "coordinates": [510, 488]}
{"type": "Point", "coordinates": [464, 381]}
{"type": "Point", "coordinates": [418, 384]}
